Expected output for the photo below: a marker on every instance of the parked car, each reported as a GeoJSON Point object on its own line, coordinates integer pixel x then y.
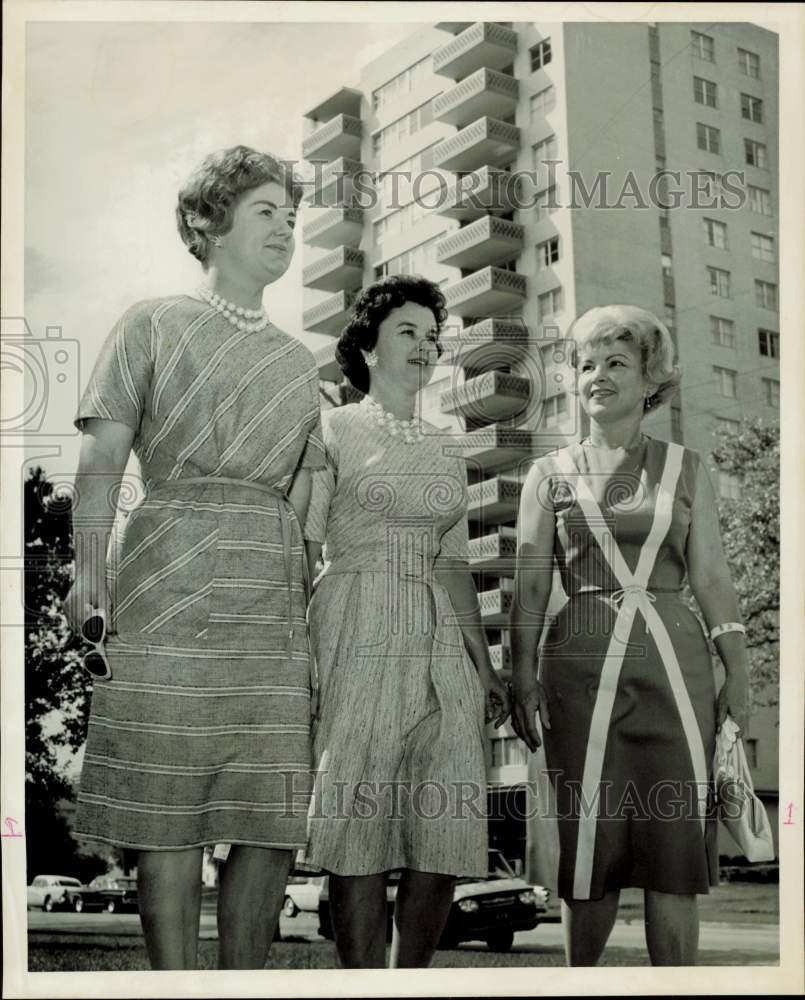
{"type": "Point", "coordinates": [302, 894]}
{"type": "Point", "coordinates": [61, 892]}
{"type": "Point", "coordinates": [489, 910]}
{"type": "Point", "coordinates": [117, 894]}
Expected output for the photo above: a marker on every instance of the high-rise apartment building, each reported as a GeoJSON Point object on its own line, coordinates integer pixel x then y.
{"type": "Point", "coordinates": [535, 170]}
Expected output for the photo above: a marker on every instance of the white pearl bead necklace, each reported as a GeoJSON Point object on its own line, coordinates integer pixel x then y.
{"type": "Point", "coordinates": [237, 315]}
{"type": "Point", "coordinates": [409, 430]}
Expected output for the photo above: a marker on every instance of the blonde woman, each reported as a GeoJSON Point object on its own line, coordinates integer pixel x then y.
{"type": "Point", "coordinates": [625, 693]}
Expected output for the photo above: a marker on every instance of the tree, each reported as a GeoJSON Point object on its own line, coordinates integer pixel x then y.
{"type": "Point", "coordinates": [750, 527]}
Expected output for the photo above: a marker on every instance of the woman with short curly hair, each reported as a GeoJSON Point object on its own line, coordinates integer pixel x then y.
{"type": "Point", "coordinates": [204, 722]}
{"type": "Point", "coordinates": [625, 693]}
{"type": "Point", "coordinates": [406, 679]}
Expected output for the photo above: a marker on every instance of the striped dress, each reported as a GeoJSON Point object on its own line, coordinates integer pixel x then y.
{"type": "Point", "coordinates": [628, 680]}
{"type": "Point", "coordinates": [202, 733]}
{"type": "Point", "coordinates": [399, 747]}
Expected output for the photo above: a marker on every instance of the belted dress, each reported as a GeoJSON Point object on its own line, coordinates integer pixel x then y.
{"type": "Point", "coordinates": [202, 734]}
{"type": "Point", "coordinates": [399, 746]}
{"type": "Point", "coordinates": [628, 679]}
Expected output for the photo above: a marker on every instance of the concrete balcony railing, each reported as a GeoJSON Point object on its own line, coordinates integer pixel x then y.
{"type": "Point", "coordinates": [339, 137]}
{"type": "Point", "coordinates": [454, 27]}
{"type": "Point", "coordinates": [344, 101]}
{"type": "Point", "coordinates": [484, 43]}
{"type": "Point", "coordinates": [490, 291]}
{"type": "Point", "coordinates": [334, 227]}
{"type": "Point", "coordinates": [483, 93]}
{"type": "Point", "coordinates": [485, 142]}
{"type": "Point", "coordinates": [496, 553]}
{"type": "Point", "coordinates": [498, 339]}
{"type": "Point", "coordinates": [329, 369]}
{"type": "Point", "coordinates": [494, 447]}
{"type": "Point", "coordinates": [494, 500]}
{"type": "Point", "coordinates": [488, 397]}
{"type": "Point", "coordinates": [496, 604]}
{"type": "Point", "coordinates": [341, 268]}
{"type": "Point", "coordinates": [487, 191]}
{"type": "Point", "coordinates": [334, 183]}
{"type": "Point", "coordinates": [329, 316]}
{"type": "Point", "coordinates": [501, 657]}
{"type": "Point", "coordinates": [487, 241]}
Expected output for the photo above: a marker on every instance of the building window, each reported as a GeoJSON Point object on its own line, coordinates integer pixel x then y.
{"type": "Point", "coordinates": [708, 138]}
{"type": "Point", "coordinates": [544, 151]}
{"type": "Point", "coordinates": [727, 426]}
{"type": "Point", "coordinates": [719, 282]}
{"type": "Point", "coordinates": [751, 108]}
{"type": "Point", "coordinates": [755, 153]}
{"type": "Point", "coordinates": [542, 103]}
{"type": "Point", "coordinates": [550, 303]}
{"type": "Point", "coordinates": [716, 233]}
{"type": "Point", "coordinates": [765, 295]}
{"type": "Point", "coordinates": [417, 260]}
{"type": "Point", "coordinates": [540, 54]}
{"type": "Point", "coordinates": [772, 389]}
{"type": "Point", "coordinates": [507, 750]}
{"type": "Point", "coordinates": [729, 485]}
{"type": "Point", "coordinates": [751, 753]}
{"type": "Point", "coordinates": [749, 63]}
{"type": "Point", "coordinates": [555, 410]}
{"type": "Point", "coordinates": [705, 92]}
{"type": "Point", "coordinates": [727, 382]}
{"type": "Point", "coordinates": [704, 47]}
{"type": "Point", "coordinates": [402, 83]}
{"type": "Point", "coordinates": [763, 247]}
{"type": "Point", "coordinates": [768, 343]}
{"type": "Point", "coordinates": [545, 203]}
{"type": "Point", "coordinates": [667, 265]}
{"type": "Point", "coordinates": [759, 200]}
{"type": "Point", "coordinates": [400, 129]}
{"type": "Point", "coordinates": [722, 331]}
{"type": "Point", "coordinates": [547, 253]}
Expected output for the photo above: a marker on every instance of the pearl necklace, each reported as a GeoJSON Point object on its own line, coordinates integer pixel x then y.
{"type": "Point", "coordinates": [410, 430]}
{"type": "Point", "coordinates": [237, 315]}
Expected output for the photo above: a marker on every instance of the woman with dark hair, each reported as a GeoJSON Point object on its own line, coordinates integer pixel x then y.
{"type": "Point", "coordinates": [206, 715]}
{"type": "Point", "coordinates": [625, 693]}
{"type": "Point", "coordinates": [406, 681]}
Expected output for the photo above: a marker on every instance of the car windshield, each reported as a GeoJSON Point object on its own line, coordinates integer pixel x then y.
{"type": "Point", "coordinates": [499, 868]}
{"type": "Point", "coordinates": [69, 881]}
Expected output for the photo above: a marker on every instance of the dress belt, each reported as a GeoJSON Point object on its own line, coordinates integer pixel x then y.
{"type": "Point", "coordinates": [285, 527]}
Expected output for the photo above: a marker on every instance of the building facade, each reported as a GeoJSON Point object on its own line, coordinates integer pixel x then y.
{"type": "Point", "coordinates": [535, 170]}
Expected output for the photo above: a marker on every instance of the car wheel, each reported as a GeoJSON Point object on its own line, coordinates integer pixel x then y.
{"type": "Point", "coordinates": [110, 906]}
{"type": "Point", "coordinates": [289, 908]}
{"type": "Point", "coordinates": [78, 904]}
{"type": "Point", "coordinates": [500, 941]}
{"type": "Point", "coordinates": [47, 906]}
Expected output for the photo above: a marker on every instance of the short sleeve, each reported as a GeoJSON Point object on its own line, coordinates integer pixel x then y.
{"type": "Point", "coordinates": [121, 379]}
{"type": "Point", "coordinates": [322, 486]}
{"type": "Point", "coordinates": [455, 541]}
{"type": "Point", "coordinates": [313, 454]}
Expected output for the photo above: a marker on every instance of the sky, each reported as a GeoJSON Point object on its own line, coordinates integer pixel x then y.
{"type": "Point", "coordinates": [117, 116]}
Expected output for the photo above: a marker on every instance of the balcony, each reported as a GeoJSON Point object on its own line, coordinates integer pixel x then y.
{"type": "Point", "coordinates": [482, 44]}
{"type": "Point", "coordinates": [486, 141]}
{"type": "Point", "coordinates": [341, 268]}
{"type": "Point", "coordinates": [483, 93]}
{"type": "Point", "coordinates": [490, 291]}
{"type": "Point", "coordinates": [339, 137]}
{"type": "Point", "coordinates": [329, 368]}
{"type": "Point", "coordinates": [496, 605]}
{"type": "Point", "coordinates": [334, 183]}
{"type": "Point", "coordinates": [345, 101]}
{"type": "Point", "coordinates": [495, 447]}
{"type": "Point", "coordinates": [334, 227]}
{"type": "Point", "coordinates": [488, 241]}
{"type": "Point", "coordinates": [501, 657]}
{"type": "Point", "coordinates": [329, 316]}
{"type": "Point", "coordinates": [494, 500]}
{"type": "Point", "coordinates": [491, 339]}
{"type": "Point", "coordinates": [485, 192]}
{"type": "Point", "coordinates": [494, 553]}
{"type": "Point", "coordinates": [488, 397]}
{"type": "Point", "coordinates": [454, 27]}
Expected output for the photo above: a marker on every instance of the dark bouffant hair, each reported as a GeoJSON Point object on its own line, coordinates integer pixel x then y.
{"type": "Point", "coordinates": [371, 307]}
{"type": "Point", "coordinates": [208, 199]}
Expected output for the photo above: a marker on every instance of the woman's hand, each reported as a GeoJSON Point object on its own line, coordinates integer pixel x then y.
{"type": "Point", "coordinates": [498, 702]}
{"type": "Point", "coordinates": [528, 699]}
{"type": "Point", "coordinates": [733, 698]}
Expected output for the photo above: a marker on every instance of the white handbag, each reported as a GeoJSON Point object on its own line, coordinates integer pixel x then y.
{"type": "Point", "coordinates": [739, 809]}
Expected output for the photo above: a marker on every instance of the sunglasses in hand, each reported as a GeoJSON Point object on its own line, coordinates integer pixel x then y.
{"type": "Point", "coordinates": [93, 631]}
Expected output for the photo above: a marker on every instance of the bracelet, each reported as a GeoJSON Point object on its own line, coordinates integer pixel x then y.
{"type": "Point", "coordinates": [726, 627]}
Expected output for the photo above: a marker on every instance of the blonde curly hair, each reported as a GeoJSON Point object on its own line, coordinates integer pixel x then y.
{"type": "Point", "coordinates": [641, 328]}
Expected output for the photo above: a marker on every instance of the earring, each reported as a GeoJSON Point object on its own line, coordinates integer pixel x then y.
{"type": "Point", "coordinates": [215, 240]}
{"type": "Point", "coordinates": [371, 359]}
